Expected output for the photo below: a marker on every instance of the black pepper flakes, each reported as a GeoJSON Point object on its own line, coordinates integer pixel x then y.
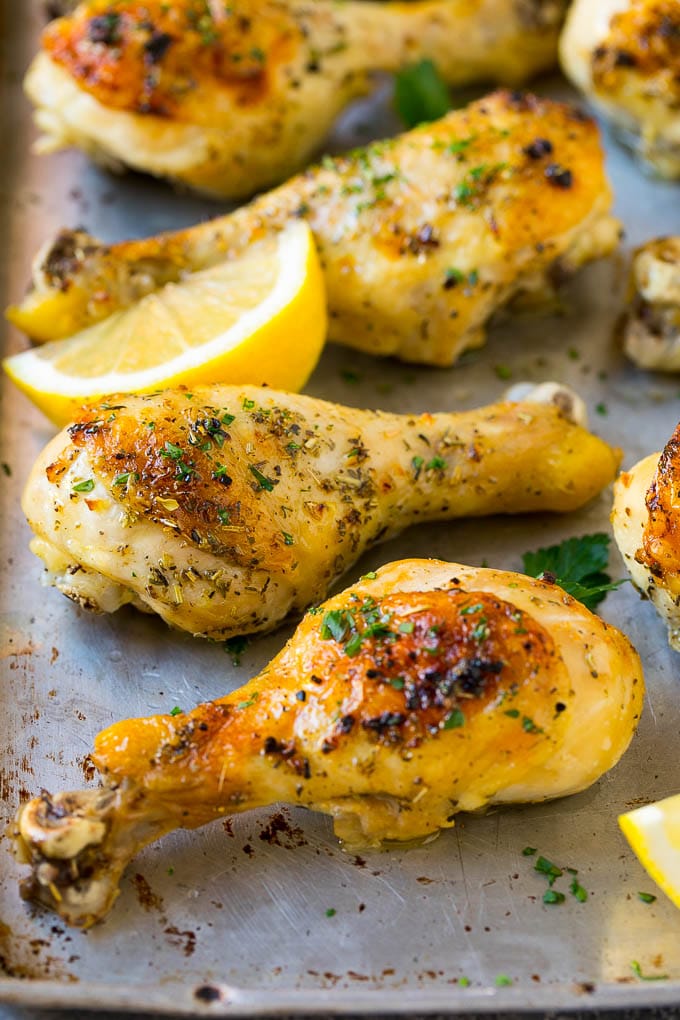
{"type": "Point", "coordinates": [538, 148]}
{"type": "Point", "coordinates": [157, 46]}
{"type": "Point", "coordinates": [104, 29]}
{"type": "Point", "coordinates": [559, 176]}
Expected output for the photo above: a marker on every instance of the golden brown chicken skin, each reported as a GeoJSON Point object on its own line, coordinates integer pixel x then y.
{"type": "Point", "coordinates": [625, 55]}
{"type": "Point", "coordinates": [425, 690]}
{"type": "Point", "coordinates": [422, 237]}
{"type": "Point", "coordinates": [234, 97]}
{"type": "Point", "coordinates": [224, 510]}
{"type": "Point", "coordinates": [646, 526]}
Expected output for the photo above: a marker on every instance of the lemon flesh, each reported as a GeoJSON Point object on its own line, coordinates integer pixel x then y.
{"type": "Point", "coordinates": [258, 319]}
{"type": "Point", "coordinates": [653, 832]}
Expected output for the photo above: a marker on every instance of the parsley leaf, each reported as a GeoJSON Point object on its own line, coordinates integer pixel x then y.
{"type": "Point", "coordinates": [420, 94]}
{"type": "Point", "coordinates": [577, 565]}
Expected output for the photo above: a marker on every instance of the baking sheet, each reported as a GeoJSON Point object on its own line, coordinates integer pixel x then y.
{"type": "Point", "coordinates": [232, 919]}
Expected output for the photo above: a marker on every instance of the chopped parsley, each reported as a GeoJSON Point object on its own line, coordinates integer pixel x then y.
{"type": "Point", "coordinates": [529, 851]}
{"type": "Point", "coordinates": [546, 867]}
{"type": "Point", "coordinates": [460, 145]}
{"type": "Point", "coordinates": [125, 478]}
{"type": "Point", "coordinates": [552, 896]}
{"type": "Point", "coordinates": [637, 970]}
{"type": "Point", "coordinates": [454, 720]}
{"type": "Point", "coordinates": [86, 486]}
{"type": "Point", "coordinates": [287, 538]}
{"type": "Point", "coordinates": [577, 565]}
{"type": "Point", "coordinates": [502, 981]}
{"type": "Point", "coordinates": [331, 912]}
{"type": "Point", "coordinates": [176, 710]}
{"type": "Point", "coordinates": [235, 647]}
{"type": "Point", "coordinates": [647, 897]}
{"type": "Point", "coordinates": [420, 94]}
{"type": "Point", "coordinates": [341, 625]}
{"type": "Point", "coordinates": [577, 890]}
{"type": "Point", "coordinates": [263, 482]}
{"type": "Point", "coordinates": [171, 452]}
{"type": "Point", "coordinates": [250, 702]}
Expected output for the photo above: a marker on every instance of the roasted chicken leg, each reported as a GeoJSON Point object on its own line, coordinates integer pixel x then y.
{"type": "Point", "coordinates": [652, 329]}
{"type": "Point", "coordinates": [232, 97]}
{"type": "Point", "coordinates": [225, 510]}
{"type": "Point", "coordinates": [428, 689]}
{"type": "Point", "coordinates": [422, 238]}
{"type": "Point", "coordinates": [646, 522]}
{"type": "Point", "coordinates": [625, 55]}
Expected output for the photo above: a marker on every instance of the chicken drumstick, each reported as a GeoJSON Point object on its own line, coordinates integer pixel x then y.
{"type": "Point", "coordinates": [231, 98]}
{"type": "Point", "coordinates": [427, 689]}
{"type": "Point", "coordinates": [226, 509]}
{"type": "Point", "coordinates": [422, 237]}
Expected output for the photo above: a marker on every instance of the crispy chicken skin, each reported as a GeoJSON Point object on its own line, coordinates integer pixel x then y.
{"type": "Point", "coordinates": [652, 328]}
{"type": "Point", "coordinates": [422, 237]}
{"type": "Point", "coordinates": [225, 510]}
{"type": "Point", "coordinates": [427, 689]}
{"type": "Point", "coordinates": [231, 98]}
{"type": "Point", "coordinates": [646, 526]}
{"type": "Point", "coordinates": [625, 55]}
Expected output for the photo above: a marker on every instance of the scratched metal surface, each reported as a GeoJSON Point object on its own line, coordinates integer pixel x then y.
{"type": "Point", "coordinates": [236, 910]}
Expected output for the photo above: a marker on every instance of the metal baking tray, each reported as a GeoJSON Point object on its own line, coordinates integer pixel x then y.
{"type": "Point", "coordinates": [233, 919]}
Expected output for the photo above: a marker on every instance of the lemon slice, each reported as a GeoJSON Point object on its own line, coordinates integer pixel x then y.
{"type": "Point", "coordinates": [258, 319]}
{"type": "Point", "coordinates": [653, 831]}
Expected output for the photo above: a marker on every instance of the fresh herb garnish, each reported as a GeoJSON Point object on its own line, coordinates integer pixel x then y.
{"type": "Point", "coordinates": [529, 851]}
{"type": "Point", "coordinates": [553, 896]}
{"type": "Point", "coordinates": [287, 538]}
{"type": "Point", "coordinates": [637, 970]}
{"type": "Point", "coordinates": [502, 981]}
{"type": "Point", "coordinates": [263, 482]}
{"type": "Point", "coordinates": [235, 647]}
{"type": "Point", "coordinates": [454, 720]}
{"type": "Point", "coordinates": [336, 624]}
{"type": "Point", "coordinates": [86, 486]}
{"type": "Point", "coordinates": [125, 478]}
{"type": "Point", "coordinates": [577, 565]}
{"type": "Point", "coordinates": [420, 94]}
{"type": "Point", "coordinates": [577, 890]}
{"type": "Point", "coordinates": [547, 867]}
{"type": "Point", "coordinates": [331, 912]}
{"type": "Point", "coordinates": [250, 702]}
{"type": "Point", "coordinates": [176, 710]}
{"type": "Point", "coordinates": [647, 897]}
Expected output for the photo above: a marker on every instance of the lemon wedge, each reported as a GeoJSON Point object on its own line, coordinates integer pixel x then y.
{"type": "Point", "coordinates": [260, 318]}
{"type": "Point", "coordinates": [653, 831]}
